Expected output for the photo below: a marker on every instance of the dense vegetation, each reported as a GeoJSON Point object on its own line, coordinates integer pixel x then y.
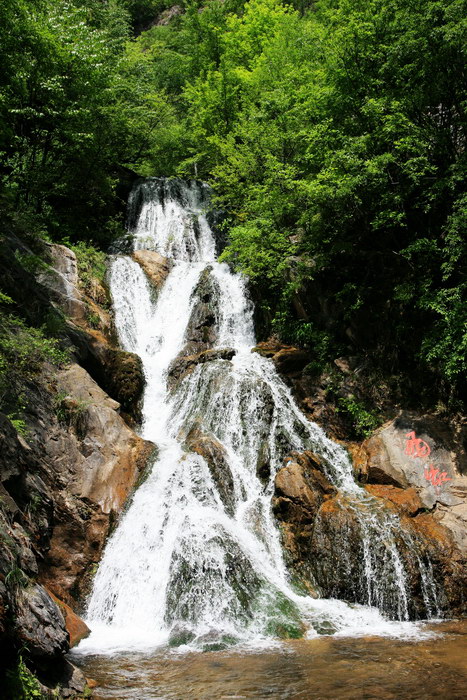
{"type": "Point", "coordinates": [333, 133]}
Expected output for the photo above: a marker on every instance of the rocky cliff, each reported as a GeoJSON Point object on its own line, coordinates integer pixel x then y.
{"type": "Point", "coordinates": [413, 466]}
{"type": "Point", "coordinates": [64, 480]}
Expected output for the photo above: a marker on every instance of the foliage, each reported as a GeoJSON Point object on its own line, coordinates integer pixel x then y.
{"type": "Point", "coordinates": [23, 349]}
{"type": "Point", "coordinates": [363, 420]}
{"type": "Point", "coordinates": [72, 412]}
{"type": "Point", "coordinates": [91, 262]}
{"type": "Point", "coordinates": [22, 684]}
{"type": "Point", "coordinates": [332, 132]}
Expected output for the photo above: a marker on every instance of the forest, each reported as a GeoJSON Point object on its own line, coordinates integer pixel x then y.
{"type": "Point", "coordinates": [333, 135]}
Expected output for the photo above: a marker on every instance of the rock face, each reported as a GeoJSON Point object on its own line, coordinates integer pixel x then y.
{"type": "Point", "coordinates": [300, 491]}
{"type": "Point", "coordinates": [214, 453]}
{"type": "Point", "coordinates": [156, 266]}
{"type": "Point", "coordinates": [416, 454]}
{"type": "Point", "coordinates": [323, 536]}
{"type": "Point", "coordinates": [61, 278]}
{"type": "Point", "coordinates": [120, 373]}
{"type": "Point", "coordinates": [63, 484]}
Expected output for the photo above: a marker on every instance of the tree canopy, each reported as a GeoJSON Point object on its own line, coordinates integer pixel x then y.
{"type": "Point", "coordinates": [332, 132]}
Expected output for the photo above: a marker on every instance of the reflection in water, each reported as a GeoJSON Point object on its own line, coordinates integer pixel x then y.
{"type": "Point", "coordinates": [320, 669]}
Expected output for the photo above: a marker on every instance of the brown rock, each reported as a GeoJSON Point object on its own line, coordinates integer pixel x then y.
{"type": "Point", "coordinates": [268, 348]}
{"type": "Point", "coordinates": [156, 266]}
{"type": "Point", "coordinates": [287, 359]}
{"type": "Point", "coordinates": [406, 500]}
{"type": "Point", "coordinates": [76, 627]}
{"type": "Point", "coordinates": [290, 483]}
{"type": "Point", "coordinates": [186, 364]}
{"type": "Point", "coordinates": [109, 455]}
{"type": "Point", "coordinates": [359, 460]}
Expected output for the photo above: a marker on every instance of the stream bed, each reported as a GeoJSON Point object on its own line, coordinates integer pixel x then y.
{"type": "Point", "coordinates": [326, 668]}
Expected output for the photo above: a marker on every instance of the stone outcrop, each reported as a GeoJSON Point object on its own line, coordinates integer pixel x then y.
{"type": "Point", "coordinates": [119, 373]}
{"type": "Point", "coordinates": [300, 490]}
{"type": "Point", "coordinates": [60, 492]}
{"type": "Point", "coordinates": [184, 365]}
{"type": "Point", "coordinates": [156, 266]}
{"type": "Point", "coordinates": [214, 453]}
{"type": "Point", "coordinates": [201, 329]}
{"type": "Point", "coordinates": [287, 359]}
{"type": "Point", "coordinates": [61, 278]}
{"type": "Point", "coordinates": [65, 481]}
{"type": "Point", "coordinates": [418, 454]}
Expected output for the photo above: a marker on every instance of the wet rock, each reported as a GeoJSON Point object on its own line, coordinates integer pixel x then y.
{"type": "Point", "coordinates": [300, 491]}
{"type": "Point", "coordinates": [405, 500]}
{"type": "Point", "coordinates": [180, 635]}
{"type": "Point", "coordinates": [39, 623]}
{"type": "Point", "coordinates": [335, 551]}
{"type": "Point", "coordinates": [156, 266]}
{"type": "Point", "coordinates": [76, 627]}
{"type": "Point", "coordinates": [201, 333]}
{"type": "Point", "coordinates": [263, 464]}
{"type": "Point", "coordinates": [214, 453]}
{"type": "Point", "coordinates": [186, 364]}
{"type": "Point", "coordinates": [236, 576]}
{"type": "Point", "coordinates": [287, 359]}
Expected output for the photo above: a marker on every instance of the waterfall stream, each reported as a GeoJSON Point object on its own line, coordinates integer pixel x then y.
{"type": "Point", "coordinates": [196, 558]}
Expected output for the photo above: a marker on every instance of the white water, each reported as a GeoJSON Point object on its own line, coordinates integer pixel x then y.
{"type": "Point", "coordinates": [193, 561]}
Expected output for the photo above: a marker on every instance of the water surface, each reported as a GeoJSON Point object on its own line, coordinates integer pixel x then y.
{"type": "Point", "coordinates": [326, 668]}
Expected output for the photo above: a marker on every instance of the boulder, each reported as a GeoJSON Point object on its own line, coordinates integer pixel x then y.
{"type": "Point", "coordinates": [39, 623]}
{"type": "Point", "coordinates": [416, 453]}
{"type": "Point", "coordinates": [287, 359]}
{"type": "Point", "coordinates": [76, 627]}
{"type": "Point", "coordinates": [156, 266]}
{"type": "Point", "coordinates": [182, 366]}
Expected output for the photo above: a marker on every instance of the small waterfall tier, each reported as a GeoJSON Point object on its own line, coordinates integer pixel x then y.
{"type": "Point", "coordinates": [196, 558]}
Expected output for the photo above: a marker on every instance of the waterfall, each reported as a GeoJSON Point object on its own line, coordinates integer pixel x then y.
{"type": "Point", "coordinates": [196, 558]}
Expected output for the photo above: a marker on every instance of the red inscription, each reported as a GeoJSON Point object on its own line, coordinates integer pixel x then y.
{"type": "Point", "coordinates": [415, 447]}
{"type": "Point", "coordinates": [435, 477]}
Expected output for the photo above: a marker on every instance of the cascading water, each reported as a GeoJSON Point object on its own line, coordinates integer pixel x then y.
{"type": "Point", "coordinates": [196, 558]}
